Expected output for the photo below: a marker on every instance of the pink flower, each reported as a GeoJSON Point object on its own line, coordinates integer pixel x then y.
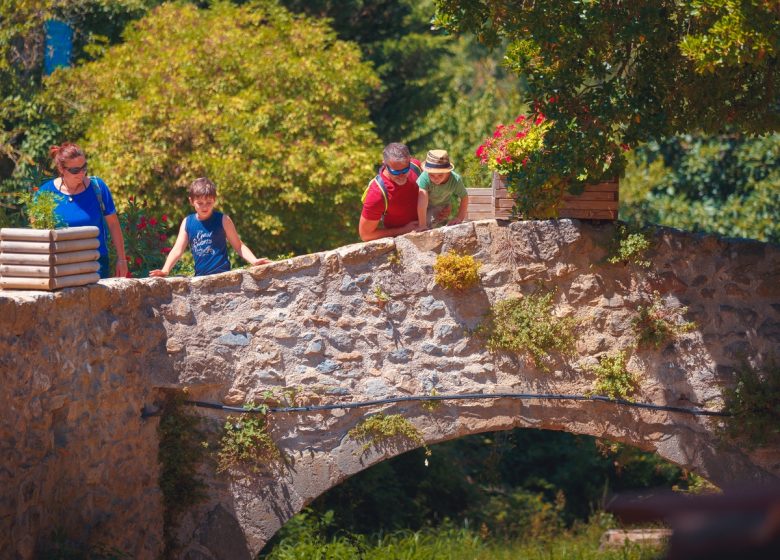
{"type": "Point", "coordinates": [164, 217]}
{"type": "Point", "coordinates": [138, 261]}
{"type": "Point", "coordinates": [165, 250]}
{"type": "Point", "coordinates": [498, 159]}
{"type": "Point", "coordinates": [525, 160]}
{"type": "Point", "coordinates": [625, 147]}
{"type": "Point", "coordinates": [520, 119]}
{"type": "Point", "coordinates": [152, 222]}
{"type": "Point", "coordinates": [163, 237]}
{"type": "Point", "coordinates": [539, 120]}
{"type": "Point", "coordinates": [508, 159]}
{"type": "Point", "coordinates": [520, 135]}
{"type": "Point", "coordinates": [480, 151]}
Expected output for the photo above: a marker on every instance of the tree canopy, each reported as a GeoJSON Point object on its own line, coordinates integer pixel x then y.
{"type": "Point", "coordinates": [268, 105]}
{"type": "Point", "coordinates": [620, 73]}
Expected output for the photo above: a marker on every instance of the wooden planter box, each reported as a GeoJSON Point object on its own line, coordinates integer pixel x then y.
{"type": "Point", "coordinates": [597, 202]}
{"type": "Point", "coordinates": [48, 259]}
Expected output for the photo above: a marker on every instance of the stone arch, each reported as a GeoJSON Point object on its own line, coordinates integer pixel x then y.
{"type": "Point", "coordinates": [88, 360]}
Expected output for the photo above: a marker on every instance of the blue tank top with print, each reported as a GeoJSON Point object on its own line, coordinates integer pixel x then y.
{"type": "Point", "coordinates": [208, 244]}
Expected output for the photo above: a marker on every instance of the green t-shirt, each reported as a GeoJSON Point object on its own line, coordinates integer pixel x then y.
{"type": "Point", "coordinates": [440, 195]}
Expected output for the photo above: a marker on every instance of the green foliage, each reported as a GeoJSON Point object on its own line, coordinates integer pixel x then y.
{"type": "Point", "coordinates": [481, 94]}
{"type": "Point", "coordinates": [754, 405]}
{"type": "Point", "coordinates": [613, 379]}
{"type": "Point", "coordinates": [463, 474]}
{"type": "Point", "coordinates": [380, 429]}
{"type": "Point", "coordinates": [380, 296]}
{"type": "Point", "coordinates": [454, 271]}
{"type": "Point", "coordinates": [146, 240]}
{"type": "Point", "coordinates": [521, 514]}
{"type": "Point", "coordinates": [517, 151]}
{"type": "Point", "coordinates": [395, 37]}
{"type": "Point", "coordinates": [179, 454]}
{"type": "Point", "coordinates": [308, 535]}
{"type": "Point", "coordinates": [526, 324]}
{"type": "Point", "coordinates": [629, 244]}
{"type": "Point", "coordinates": [615, 74]}
{"type": "Point", "coordinates": [246, 442]}
{"type": "Point", "coordinates": [40, 209]}
{"type": "Point", "coordinates": [25, 130]}
{"type": "Point", "coordinates": [726, 184]}
{"type": "Point", "coordinates": [285, 135]}
{"type": "Point", "coordinates": [657, 323]}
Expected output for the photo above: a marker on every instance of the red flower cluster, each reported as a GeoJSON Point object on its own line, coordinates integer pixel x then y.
{"type": "Point", "coordinates": [513, 146]}
{"type": "Point", "coordinates": [146, 239]}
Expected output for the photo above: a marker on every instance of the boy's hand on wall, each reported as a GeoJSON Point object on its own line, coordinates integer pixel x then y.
{"type": "Point", "coordinates": [261, 261]}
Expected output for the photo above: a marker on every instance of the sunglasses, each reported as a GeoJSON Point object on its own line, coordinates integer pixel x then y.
{"type": "Point", "coordinates": [76, 170]}
{"type": "Point", "coordinates": [398, 171]}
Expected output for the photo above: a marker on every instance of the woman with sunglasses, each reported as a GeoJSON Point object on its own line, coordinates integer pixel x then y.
{"type": "Point", "coordinates": [86, 201]}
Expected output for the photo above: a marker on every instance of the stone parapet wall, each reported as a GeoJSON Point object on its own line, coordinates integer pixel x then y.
{"type": "Point", "coordinates": [77, 461]}
{"type": "Point", "coordinates": [79, 365]}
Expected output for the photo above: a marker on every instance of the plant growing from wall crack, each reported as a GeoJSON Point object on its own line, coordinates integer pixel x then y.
{"type": "Point", "coordinates": [526, 324]}
{"type": "Point", "coordinates": [380, 429]}
{"type": "Point", "coordinates": [657, 323]}
{"type": "Point", "coordinates": [629, 244]}
{"type": "Point", "coordinates": [455, 271]}
{"type": "Point", "coordinates": [754, 405]}
{"type": "Point", "coordinates": [613, 379]}
{"type": "Point", "coordinates": [246, 441]}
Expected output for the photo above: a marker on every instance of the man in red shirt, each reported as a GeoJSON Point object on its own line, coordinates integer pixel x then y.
{"type": "Point", "coordinates": [391, 197]}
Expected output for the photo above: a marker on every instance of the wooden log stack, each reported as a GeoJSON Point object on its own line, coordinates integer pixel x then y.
{"type": "Point", "coordinates": [596, 202]}
{"type": "Point", "coordinates": [48, 259]}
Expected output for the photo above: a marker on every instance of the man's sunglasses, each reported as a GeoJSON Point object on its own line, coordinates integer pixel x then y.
{"type": "Point", "coordinates": [398, 171]}
{"type": "Point", "coordinates": [76, 170]}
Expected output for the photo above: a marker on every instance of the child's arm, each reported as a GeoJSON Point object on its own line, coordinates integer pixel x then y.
{"type": "Point", "coordinates": [176, 252]}
{"type": "Point", "coordinates": [238, 245]}
{"type": "Point", "coordinates": [464, 206]}
{"type": "Point", "coordinates": [422, 210]}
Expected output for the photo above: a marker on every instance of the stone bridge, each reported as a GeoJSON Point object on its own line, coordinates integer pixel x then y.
{"type": "Point", "coordinates": [79, 366]}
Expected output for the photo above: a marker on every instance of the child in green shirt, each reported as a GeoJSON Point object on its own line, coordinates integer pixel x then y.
{"type": "Point", "coordinates": [441, 189]}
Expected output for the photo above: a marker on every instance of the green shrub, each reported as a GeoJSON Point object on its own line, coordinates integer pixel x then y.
{"type": "Point", "coordinates": [629, 245]}
{"type": "Point", "coordinates": [526, 324]}
{"type": "Point", "coordinates": [655, 324]}
{"type": "Point", "coordinates": [380, 428]}
{"type": "Point", "coordinates": [754, 405]}
{"type": "Point", "coordinates": [454, 271]}
{"type": "Point", "coordinates": [613, 380]}
{"type": "Point", "coordinates": [246, 442]}
{"type": "Point", "coordinates": [40, 209]}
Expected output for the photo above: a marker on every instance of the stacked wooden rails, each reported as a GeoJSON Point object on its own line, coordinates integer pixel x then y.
{"type": "Point", "coordinates": [48, 259]}
{"type": "Point", "coordinates": [596, 202]}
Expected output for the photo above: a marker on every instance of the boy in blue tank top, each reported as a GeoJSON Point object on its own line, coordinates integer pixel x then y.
{"type": "Point", "coordinates": [207, 232]}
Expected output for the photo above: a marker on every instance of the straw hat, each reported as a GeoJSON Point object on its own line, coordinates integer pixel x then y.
{"type": "Point", "coordinates": [438, 161]}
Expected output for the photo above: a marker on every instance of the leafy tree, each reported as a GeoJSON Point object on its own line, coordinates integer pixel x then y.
{"type": "Point", "coordinates": [409, 58]}
{"type": "Point", "coordinates": [24, 133]}
{"type": "Point", "coordinates": [266, 104]}
{"type": "Point", "coordinates": [729, 185]}
{"type": "Point", "coordinates": [612, 73]}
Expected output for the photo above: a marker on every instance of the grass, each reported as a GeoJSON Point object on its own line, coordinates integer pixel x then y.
{"type": "Point", "coordinates": [304, 539]}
